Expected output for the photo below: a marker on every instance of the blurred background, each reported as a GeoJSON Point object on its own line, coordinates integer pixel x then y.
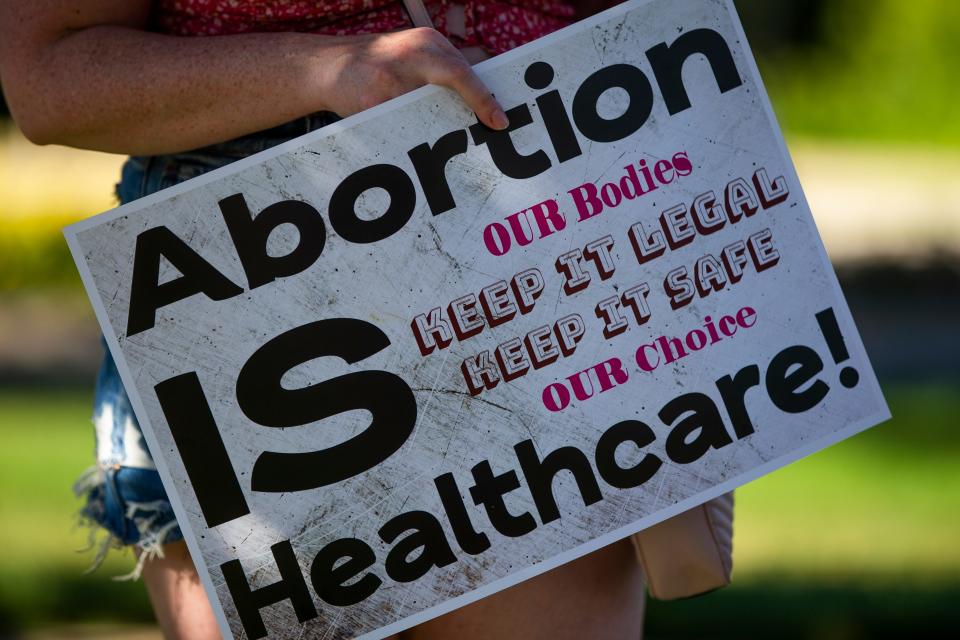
{"type": "Point", "coordinates": [859, 541]}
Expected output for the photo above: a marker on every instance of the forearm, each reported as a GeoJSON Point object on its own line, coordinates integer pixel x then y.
{"type": "Point", "coordinates": [125, 90]}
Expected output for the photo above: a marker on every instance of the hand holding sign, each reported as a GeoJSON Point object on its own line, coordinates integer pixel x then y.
{"type": "Point", "coordinates": [373, 69]}
{"type": "Point", "coordinates": [407, 361]}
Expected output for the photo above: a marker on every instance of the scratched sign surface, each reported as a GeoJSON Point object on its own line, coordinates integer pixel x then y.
{"type": "Point", "coordinates": [405, 361]}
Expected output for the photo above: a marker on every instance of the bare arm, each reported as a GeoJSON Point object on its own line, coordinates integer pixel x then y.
{"type": "Point", "coordinates": [86, 74]}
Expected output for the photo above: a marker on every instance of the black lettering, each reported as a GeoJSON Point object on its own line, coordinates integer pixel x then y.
{"type": "Point", "coordinates": [201, 449]}
{"type": "Point", "coordinates": [734, 392]}
{"type": "Point", "coordinates": [329, 575]}
{"type": "Point", "coordinates": [265, 401]}
{"type": "Point", "coordinates": [343, 203]}
{"type": "Point", "coordinates": [790, 370]}
{"type": "Point", "coordinates": [502, 151]}
{"type": "Point", "coordinates": [626, 478]}
{"type": "Point", "coordinates": [703, 422]}
{"type": "Point", "coordinates": [539, 75]}
{"type": "Point", "coordinates": [540, 475]}
{"type": "Point", "coordinates": [250, 237]}
{"type": "Point", "coordinates": [588, 119]}
{"type": "Point", "coordinates": [489, 490]}
{"type": "Point", "coordinates": [430, 164]}
{"type": "Point", "coordinates": [428, 535]}
{"type": "Point", "coordinates": [667, 62]}
{"type": "Point", "coordinates": [291, 586]}
{"type": "Point", "coordinates": [469, 539]}
{"type": "Point", "coordinates": [147, 295]}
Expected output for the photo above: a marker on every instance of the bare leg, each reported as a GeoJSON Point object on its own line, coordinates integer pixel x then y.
{"type": "Point", "coordinates": [178, 598]}
{"type": "Point", "coordinates": [600, 596]}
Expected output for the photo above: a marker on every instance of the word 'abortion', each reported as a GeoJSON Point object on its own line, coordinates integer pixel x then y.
{"type": "Point", "coordinates": [249, 232]}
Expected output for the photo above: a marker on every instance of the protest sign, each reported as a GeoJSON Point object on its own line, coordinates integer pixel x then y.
{"type": "Point", "coordinates": [406, 361]}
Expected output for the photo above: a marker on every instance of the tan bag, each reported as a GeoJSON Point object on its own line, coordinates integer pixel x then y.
{"type": "Point", "coordinates": [689, 554]}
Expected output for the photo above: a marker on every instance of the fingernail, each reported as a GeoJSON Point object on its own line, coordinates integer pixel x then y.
{"type": "Point", "coordinates": [500, 120]}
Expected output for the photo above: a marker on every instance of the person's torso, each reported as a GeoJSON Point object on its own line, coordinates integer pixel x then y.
{"type": "Point", "coordinates": [494, 25]}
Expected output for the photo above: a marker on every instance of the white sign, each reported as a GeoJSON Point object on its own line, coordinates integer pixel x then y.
{"type": "Point", "coordinates": [405, 361]}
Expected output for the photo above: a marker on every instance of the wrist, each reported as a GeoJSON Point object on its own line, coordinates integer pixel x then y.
{"type": "Point", "coordinates": [322, 70]}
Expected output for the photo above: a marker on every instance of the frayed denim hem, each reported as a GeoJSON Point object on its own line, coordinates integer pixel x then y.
{"type": "Point", "coordinates": [122, 510]}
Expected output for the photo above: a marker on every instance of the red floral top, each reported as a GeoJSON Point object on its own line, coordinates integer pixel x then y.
{"type": "Point", "coordinates": [497, 26]}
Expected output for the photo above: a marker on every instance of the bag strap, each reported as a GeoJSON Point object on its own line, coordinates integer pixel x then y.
{"type": "Point", "coordinates": [418, 13]}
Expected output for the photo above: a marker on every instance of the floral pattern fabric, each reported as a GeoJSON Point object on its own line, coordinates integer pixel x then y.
{"type": "Point", "coordinates": [493, 25]}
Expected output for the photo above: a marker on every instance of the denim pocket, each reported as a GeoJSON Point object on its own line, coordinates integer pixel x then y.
{"type": "Point", "coordinates": [133, 177]}
{"type": "Point", "coordinates": [143, 175]}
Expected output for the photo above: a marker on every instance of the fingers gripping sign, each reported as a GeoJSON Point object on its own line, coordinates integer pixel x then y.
{"type": "Point", "coordinates": [374, 69]}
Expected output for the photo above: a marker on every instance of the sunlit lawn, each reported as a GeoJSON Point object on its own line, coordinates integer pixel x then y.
{"type": "Point", "coordinates": [884, 503]}
{"type": "Point", "coordinates": [875, 511]}
{"type": "Point", "coordinates": [46, 444]}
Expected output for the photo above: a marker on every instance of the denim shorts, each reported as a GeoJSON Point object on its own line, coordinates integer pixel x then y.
{"type": "Point", "coordinates": [123, 492]}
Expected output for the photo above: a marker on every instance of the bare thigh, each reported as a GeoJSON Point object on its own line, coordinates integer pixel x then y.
{"type": "Point", "coordinates": [600, 596]}
{"type": "Point", "coordinates": [177, 596]}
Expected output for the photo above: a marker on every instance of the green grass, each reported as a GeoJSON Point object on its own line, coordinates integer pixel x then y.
{"type": "Point", "coordinates": [47, 443]}
{"type": "Point", "coordinates": [881, 70]}
{"type": "Point", "coordinates": [857, 533]}
{"type": "Point", "coordinates": [881, 504]}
